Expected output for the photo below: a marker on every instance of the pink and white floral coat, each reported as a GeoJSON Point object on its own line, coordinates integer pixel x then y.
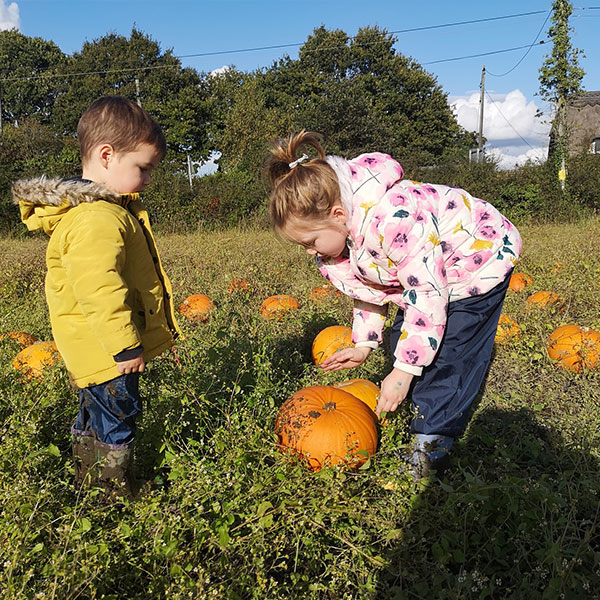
{"type": "Point", "coordinates": [417, 245]}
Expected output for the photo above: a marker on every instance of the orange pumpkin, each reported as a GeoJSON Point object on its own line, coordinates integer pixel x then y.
{"type": "Point", "coordinates": [543, 298]}
{"type": "Point", "coordinates": [363, 389]}
{"type": "Point", "coordinates": [238, 285]}
{"type": "Point", "coordinates": [507, 329]}
{"type": "Point", "coordinates": [32, 360]}
{"type": "Point", "coordinates": [196, 307]}
{"type": "Point", "coordinates": [274, 307]}
{"type": "Point", "coordinates": [329, 341]}
{"type": "Point", "coordinates": [22, 338]}
{"type": "Point", "coordinates": [324, 426]}
{"type": "Point", "coordinates": [519, 281]}
{"type": "Point", "coordinates": [323, 292]}
{"type": "Point", "coordinates": [574, 347]}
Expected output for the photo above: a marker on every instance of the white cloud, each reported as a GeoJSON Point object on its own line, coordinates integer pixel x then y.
{"type": "Point", "coordinates": [220, 70]}
{"type": "Point", "coordinates": [514, 133]}
{"type": "Point", "coordinates": [9, 15]}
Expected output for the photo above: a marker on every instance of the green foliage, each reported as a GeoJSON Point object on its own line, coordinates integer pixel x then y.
{"type": "Point", "coordinates": [173, 95]}
{"type": "Point", "coordinates": [28, 77]}
{"type": "Point", "coordinates": [226, 515]}
{"type": "Point", "coordinates": [30, 150]}
{"type": "Point", "coordinates": [360, 94]}
{"type": "Point", "coordinates": [560, 80]}
{"type": "Point", "coordinates": [228, 198]}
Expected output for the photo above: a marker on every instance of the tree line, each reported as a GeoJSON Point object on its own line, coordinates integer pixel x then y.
{"type": "Point", "coordinates": [359, 92]}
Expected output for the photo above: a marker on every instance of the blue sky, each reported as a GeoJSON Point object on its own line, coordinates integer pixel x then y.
{"type": "Point", "coordinates": [223, 27]}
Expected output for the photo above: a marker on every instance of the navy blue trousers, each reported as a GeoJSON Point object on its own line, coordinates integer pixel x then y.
{"type": "Point", "coordinates": [442, 395]}
{"type": "Point", "coordinates": [109, 410]}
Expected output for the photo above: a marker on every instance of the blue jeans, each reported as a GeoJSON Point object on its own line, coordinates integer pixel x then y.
{"type": "Point", "coordinates": [442, 395]}
{"type": "Point", "coordinates": [109, 410]}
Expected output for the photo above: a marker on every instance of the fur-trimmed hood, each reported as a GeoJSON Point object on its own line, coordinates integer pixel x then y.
{"type": "Point", "coordinates": [44, 201]}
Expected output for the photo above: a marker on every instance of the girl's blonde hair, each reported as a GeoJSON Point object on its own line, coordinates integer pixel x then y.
{"type": "Point", "coordinates": [307, 189]}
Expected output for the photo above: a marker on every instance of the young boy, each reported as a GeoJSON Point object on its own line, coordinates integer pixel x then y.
{"type": "Point", "coordinates": [109, 299]}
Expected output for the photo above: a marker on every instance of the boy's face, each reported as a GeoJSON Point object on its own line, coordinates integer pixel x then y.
{"type": "Point", "coordinates": [129, 172]}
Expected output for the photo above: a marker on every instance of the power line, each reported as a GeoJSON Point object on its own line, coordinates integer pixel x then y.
{"type": "Point", "coordinates": [528, 49]}
{"type": "Point", "coordinates": [411, 30]}
{"type": "Point", "coordinates": [433, 62]}
{"type": "Point", "coordinates": [509, 123]}
{"type": "Point", "coordinates": [281, 46]}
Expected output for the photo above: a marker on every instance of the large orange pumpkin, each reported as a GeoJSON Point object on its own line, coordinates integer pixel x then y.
{"type": "Point", "coordinates": [196, 307]}
{"type": "Point", "coordinates": [325, 426]}
{"type": "Point", "coordinates": [543, 298]}
{"type": "Point", "coordinates": [329, 341]}
{"type": "Point", "coordinates": [32, 360]}
{"type": "Point", "coordinates": [574, 347]}
{"type": "Point", "coordinates": [507, 329]}
{"type": "Point", "coordinates": [22, 338]}
{"type": "Point", "coordinates": [363, 389]}
{"type": "Point", "coordinates": [519, 281]}
{"type": "Point", "coordinates": [274, 307]}
{"type": "Point", "coordinates": [323, 292]}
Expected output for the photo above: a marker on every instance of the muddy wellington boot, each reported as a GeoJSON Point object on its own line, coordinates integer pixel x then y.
{"type": "Point", "coordinates": [84, 456]}
{"type": "Point", "coordinates": [113, 468]}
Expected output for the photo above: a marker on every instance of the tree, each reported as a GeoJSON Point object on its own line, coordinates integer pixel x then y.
{"type": "Point", "coordinates": [363, 95]}
{"type": "Point", "coordinates": [136, 67]}
{"type": "Point", "coordinates": [560, 80]}
{"type": "Point", "coordinates": [28, 84]}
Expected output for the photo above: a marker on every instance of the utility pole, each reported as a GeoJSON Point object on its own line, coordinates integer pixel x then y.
{"type": "Point", "coordinates": [481, 104]}
{"type": "Point", "coordinates": [1, 123]}
{"type": "Point", "coordinates": [137, 92]}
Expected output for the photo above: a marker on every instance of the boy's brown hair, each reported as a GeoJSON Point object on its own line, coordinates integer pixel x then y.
{"type": "Point", "coordinates": [308, 189]}
{"type": "Point", "coordinates": [117, 121]}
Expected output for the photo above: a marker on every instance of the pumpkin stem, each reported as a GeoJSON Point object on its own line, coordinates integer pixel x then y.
{"type": "Point", "coordinates": [329, 406]}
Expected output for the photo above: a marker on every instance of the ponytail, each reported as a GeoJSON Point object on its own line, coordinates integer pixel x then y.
{"type": "Point", "coordinates": [301, 186]}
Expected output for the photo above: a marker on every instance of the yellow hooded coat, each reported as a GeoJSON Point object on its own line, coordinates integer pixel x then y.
{"type": "Point", "coordinates": [106, 289]}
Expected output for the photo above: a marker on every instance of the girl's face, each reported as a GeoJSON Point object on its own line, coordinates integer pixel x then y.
{"type": "Point", "coordinates": [325, 238]}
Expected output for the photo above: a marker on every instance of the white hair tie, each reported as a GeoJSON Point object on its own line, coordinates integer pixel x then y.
{"type": "Point", "coordinates": [299, 161]}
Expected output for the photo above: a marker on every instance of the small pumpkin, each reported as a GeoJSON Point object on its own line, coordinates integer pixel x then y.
{"type": "Point", "coordinates": [32, 361]}
{"type": "Point", "coordinates": [323, 292]}
{"type": "Point", "coordinates": [544, 298]}
{"type": "Point", "coordinates": [275, 307]}
{"type": "Point", "coordinates": [325, 426]}
{"type": "Point", "coordinates": [329, 341]}
{"type": "Point", "coordinates": [363, 389]}
{"type": "Point", "coordinates": [238, 285]}
{"type": "Point", "coordinates": [196, 307]}
{"type": "Point", "coordinates": [22, 338]}
{"type": "Point", "coordinates": [574, 348]}
{"type": "Point", "coordinates": [519, 281]}
{"type": "Point", "coordinates": [507, 329]}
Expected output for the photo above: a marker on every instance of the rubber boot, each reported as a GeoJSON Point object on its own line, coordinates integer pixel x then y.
{"type": "Point", "coordinates": [84, 456]}
{"type": "Point", "coordinates": [113, 468]}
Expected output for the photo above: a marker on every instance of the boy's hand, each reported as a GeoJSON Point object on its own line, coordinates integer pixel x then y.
{"type": "Point", "coordinates": [133, 365]}
{"type": "Point", "coordinates": [346, 359]}
{"type": "Point", "coordinates": [393, 390]}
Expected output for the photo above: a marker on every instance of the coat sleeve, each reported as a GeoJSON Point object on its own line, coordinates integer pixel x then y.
{"type": "Point", "coordinates": [367, 326]}
{"type": "Point", "coordinates": [94, 255]}
{"type": "Point", "coordinates": [410, 240]}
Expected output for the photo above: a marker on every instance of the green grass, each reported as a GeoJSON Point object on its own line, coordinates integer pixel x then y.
{"type": "Point", "coordinates": [231, 517]}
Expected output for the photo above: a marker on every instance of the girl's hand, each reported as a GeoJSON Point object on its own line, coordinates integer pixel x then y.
{"type": "Point", "coordinates": [346, 359]}
{"type": "Point", "coordinates": [393, 390]}
{"type": "Point", "coordinates": [134, 365]}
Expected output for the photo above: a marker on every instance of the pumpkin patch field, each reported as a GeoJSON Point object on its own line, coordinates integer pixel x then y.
{"type": "Point", "coordinates": [230, 512]}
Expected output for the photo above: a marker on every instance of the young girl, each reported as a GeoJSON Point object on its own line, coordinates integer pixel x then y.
{"type": "Point", "coordinates": [443, 256]}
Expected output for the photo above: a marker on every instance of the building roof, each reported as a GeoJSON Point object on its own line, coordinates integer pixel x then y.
{"type": "Point", "coordinates": [587, 99]}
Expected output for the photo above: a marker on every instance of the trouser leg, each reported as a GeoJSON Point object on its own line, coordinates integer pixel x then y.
{"type": "Point", "coordinates": [442, 396]}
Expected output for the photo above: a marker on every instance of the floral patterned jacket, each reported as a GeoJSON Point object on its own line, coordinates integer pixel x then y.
{"type": "Point", "coordinates": [418, 245]}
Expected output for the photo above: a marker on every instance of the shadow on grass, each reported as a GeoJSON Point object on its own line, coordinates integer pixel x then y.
{"type": "Point", "coordinates": [515, 517]}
